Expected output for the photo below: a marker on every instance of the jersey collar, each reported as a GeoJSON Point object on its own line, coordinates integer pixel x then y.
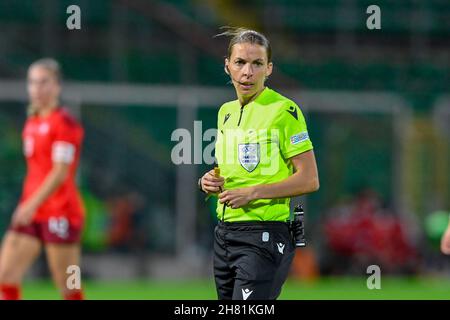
{"type": "Point", "coordinates": [263, 96]}
{"type": "Point", "coordinates": [260, 98]}
{"type": "Point", "coordinates": [49, 115]}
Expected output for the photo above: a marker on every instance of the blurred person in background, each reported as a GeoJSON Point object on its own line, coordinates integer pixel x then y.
{"type": "Point", "coordinates": [50, 213]}
{"type": "Point", "coordinates": [362, 231]}
{"type": "Point", "coordinates": [445, 241]}
{"type": "Point", "coordinates": [272, 161]}
{"type": "Point", "coordinates": [125, 207]}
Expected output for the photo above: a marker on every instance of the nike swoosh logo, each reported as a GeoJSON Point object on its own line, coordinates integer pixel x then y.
{"type": "Point", "coordinates": [293, 113]}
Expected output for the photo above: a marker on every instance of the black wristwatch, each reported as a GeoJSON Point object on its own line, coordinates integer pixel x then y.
{"type": "Point", "coordinates": [199, 183]}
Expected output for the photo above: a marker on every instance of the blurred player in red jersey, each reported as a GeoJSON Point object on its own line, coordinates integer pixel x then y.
{"type": "Point", "coordinates": [50, 213]}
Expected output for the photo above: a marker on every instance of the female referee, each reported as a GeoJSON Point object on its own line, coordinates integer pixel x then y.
{"type": "Point", "coordinates": [265, 157]}
{"type": "Point", "coordinates": [50, 212]}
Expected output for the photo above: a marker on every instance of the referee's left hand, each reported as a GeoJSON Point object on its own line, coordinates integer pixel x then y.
{"type": "Point", "coordinates": [237, 198]}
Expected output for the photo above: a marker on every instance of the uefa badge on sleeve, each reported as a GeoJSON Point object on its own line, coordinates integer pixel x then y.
{"type": "Point", "coordinates": [249, 155]}
{"type": "Point", "coordinates": [300, 137]}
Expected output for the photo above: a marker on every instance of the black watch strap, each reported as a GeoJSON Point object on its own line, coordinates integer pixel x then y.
{"type": "Point", "coordinates": [199, 183]}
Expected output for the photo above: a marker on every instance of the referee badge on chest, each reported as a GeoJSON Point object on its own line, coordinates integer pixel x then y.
{"type": "Point", "coordinates": [249, 155]}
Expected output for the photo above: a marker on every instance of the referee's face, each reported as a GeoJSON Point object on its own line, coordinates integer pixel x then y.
{"type": "Point", "coordinates": [248, 67]}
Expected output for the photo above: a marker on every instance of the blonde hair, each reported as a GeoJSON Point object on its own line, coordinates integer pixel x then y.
{"type": "Point", "coordinates": [51, 65]}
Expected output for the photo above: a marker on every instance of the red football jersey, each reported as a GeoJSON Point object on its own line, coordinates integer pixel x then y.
{"type": "Point", "coordinates": [54, 138]}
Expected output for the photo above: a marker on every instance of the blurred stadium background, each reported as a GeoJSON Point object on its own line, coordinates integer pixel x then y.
{"type": "Point", "coordinates": [377, 103]}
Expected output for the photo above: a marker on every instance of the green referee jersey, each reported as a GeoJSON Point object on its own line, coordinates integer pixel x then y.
{"type": "Point", "coordinates": [253, 146]}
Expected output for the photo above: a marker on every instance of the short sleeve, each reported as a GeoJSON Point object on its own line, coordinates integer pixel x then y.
{"type": "Point", "coordinates": [66, 141]}
{"type": "Point", "coordinates": [294, 137]}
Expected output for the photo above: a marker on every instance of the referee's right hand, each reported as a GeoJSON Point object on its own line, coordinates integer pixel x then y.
{"type": "Point", "coordinates": [210, 183]}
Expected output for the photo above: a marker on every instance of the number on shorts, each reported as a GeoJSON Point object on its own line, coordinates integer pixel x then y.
{"type": "Point", "coordinates": [59, 226]}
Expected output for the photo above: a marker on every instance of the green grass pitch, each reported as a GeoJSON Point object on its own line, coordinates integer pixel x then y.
{"type": "Point", "coordinates": [323, 289]}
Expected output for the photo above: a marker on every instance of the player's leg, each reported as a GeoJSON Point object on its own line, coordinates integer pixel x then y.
{"type": "Point", "coordinates": [18, 252]}
{"type": "Point", "coordinates": [63, 250]}
{"type": "Point", "coordinates": [223, 274]}
{"type": "Point", "coordinates": [60, 257]}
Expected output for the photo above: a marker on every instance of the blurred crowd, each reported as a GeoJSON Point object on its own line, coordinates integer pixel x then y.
{"type": "Point", "coordinates": [361, 231]}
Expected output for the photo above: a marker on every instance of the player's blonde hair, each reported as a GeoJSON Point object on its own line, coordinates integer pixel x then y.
{"type": "Point", "coordinates": [51, 65]}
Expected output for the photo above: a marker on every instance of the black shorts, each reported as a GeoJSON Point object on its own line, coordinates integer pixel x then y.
{"type": "Point", "coordinates": [251, 259]}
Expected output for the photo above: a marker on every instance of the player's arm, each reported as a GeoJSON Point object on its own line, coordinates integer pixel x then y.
{"type": "Point", "coordinates": [51, 182]}
{"type": "Point", "coordinates": [303, 181]}
{"type": "Point", "coordinates": [62, 155]}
